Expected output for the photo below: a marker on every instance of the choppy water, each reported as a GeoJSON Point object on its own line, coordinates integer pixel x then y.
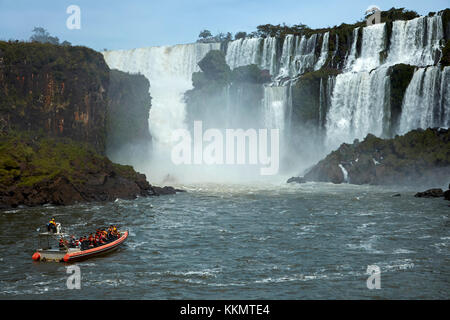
{"type": "Point", "coordinates": [311, 241]}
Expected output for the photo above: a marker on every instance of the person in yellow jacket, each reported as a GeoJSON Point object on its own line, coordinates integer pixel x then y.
{"type": "Point", "coordinates": [51, 226]}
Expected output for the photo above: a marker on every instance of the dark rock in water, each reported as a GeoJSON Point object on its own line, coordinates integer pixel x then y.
{"type": "Point", "coordinates": [431, 193]}
{"type": "Point", "coordinates": [447, 195]}
{"type": "Point", "coordinates": [396, 195]}
{"type": "Point", "coordinates": [166, 190]}
{"type": "Point", "coordinates": [296, 179]}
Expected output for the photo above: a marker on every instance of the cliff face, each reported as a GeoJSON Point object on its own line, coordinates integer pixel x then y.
{"type": "Point", "coordinates": [128, 137]}
{"type": "Point", "coordinates": [61, 91]}
{"type": "Point", "coordinates": [53, 120]}
{"type": "Point", "coordinates": [418, 157]}
{"type": "Point", "coordinates": [224, 97]}
{"type": "Point", "coordinates": [37, 169]}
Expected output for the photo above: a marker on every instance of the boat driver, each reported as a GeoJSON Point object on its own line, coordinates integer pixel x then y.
{"type": "Point", "coordinates": [51, 226]}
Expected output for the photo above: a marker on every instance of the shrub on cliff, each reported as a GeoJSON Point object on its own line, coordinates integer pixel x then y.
{"type": "Point", "coordinates": [215, 67]}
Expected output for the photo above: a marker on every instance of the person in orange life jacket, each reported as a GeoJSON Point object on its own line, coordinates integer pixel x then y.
{"type": "Point", "coordinates": [91, 240]}
{"type": "Point", "coordinates": [102, 238]}
{"type": "Point", "coordinates": [62, 243]}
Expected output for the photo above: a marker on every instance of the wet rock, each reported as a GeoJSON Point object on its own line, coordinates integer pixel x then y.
{"type": "Point", "coordinates": [296, 179]}
{"type": "Point", "coordinates": [166, 190]}
{"type": "Point", "coordinates": [447, 195]}
{"type": "Point", "coordinates": [416, 158]}
{"type": "Point", "coordinates": [430, 193]}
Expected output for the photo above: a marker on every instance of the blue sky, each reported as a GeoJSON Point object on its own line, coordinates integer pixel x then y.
{"type": "Point", "coordinates": [138, 23]}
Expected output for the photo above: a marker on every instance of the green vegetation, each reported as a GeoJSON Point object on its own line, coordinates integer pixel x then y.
{"type": "Point", "coordinates": [59, 89]}
{"type": "Point", "coordinates": [409, 158]}
{"type": "Point", "coordinates": [28, 158]}
{"type": "Point", "coordinates": [206, 36]}
{"type": "Point", "coordinates": [41, 35]}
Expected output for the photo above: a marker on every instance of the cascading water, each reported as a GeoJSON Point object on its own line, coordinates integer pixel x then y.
{"type": "Point", "coordinates": [426, 100]}
{"type": "Point", "coordinates": [259, 51]}
{"type": "Point", "coordinates": [351, 57]}
{"type": "Point", "coordinates": [357, 106]}
{"type": "Point", "coordinates": [323, 52]}
{"type": "Point", "coordinates": [373, 41]}
{"type": "Point", "coordinates": [358, 100]}
{"type": "Point", "coordinates": [275, 106]}
{"type": "Point", "coordinates": [417, 41]}
{"type": "Point", "coordinates": [169, 70]}
{"type": "Point", "coordinates": [352, 104]}
{"type": "Point", "coordinates": [360, 105]}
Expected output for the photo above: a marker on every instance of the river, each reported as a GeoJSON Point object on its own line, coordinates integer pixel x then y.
{"type": "Point", "coordinates": [242, 241]}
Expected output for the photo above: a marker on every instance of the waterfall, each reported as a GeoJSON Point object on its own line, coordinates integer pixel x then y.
{"type": "Point", "coordinates": [269, 55]}
{"type": "Point", "coordinates": [358, 100]}
{"type": "Point", "coordinates": [417, 41]}
{"type": "Point", "coordinates": [351, 57]}
{"type": "Point", "coordinates": [426, 100]}
{"type": "Point", "coordinates": [259, 51]}
{"type": "Point", "coordinates": [344, 173]}
{"type": "Point", "coordinates": [357, 106]}
{"type": "Point", "coordinates": [298, 55]}
{"type": "Point", "coordinates": [351, 105]}
{"type": "Point", "coordinates": [169, 70]}
{"type": "Point", "coordinates": [305, 55]}
{"type": "Point", "coordinates": [373, 41]}
{"type": "Point", "coordinates": [325, 97]}
{"type": "Point", "coordinates": [323, 52]}
{"type": "Point", "coordinates": [275, 106]}
{"type": "Point", "coordinates": [243, 52]}
{"type": "Point", "coordinates": [445, 97]}
{"type": "Point", "coordinates": [336, 48]}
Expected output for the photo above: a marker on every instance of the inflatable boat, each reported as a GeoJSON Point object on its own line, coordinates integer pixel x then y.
{"type": "Point", "coordinates": [47, 253]}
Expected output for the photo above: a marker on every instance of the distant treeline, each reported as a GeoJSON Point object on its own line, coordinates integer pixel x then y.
{"type": "Point", "coordinates": [281, 30]}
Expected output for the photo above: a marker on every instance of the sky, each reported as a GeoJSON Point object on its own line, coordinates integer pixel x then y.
{"type": "Point", "coordinates": [138, 23]}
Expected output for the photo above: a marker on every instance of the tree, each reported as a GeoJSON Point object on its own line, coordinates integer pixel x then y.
{"type": "Point", "coordinates": [41, 35]}
{"type": "Point", "coordinates": [205, 34]}
{"type": "Point", "coordinates": [240, 35]}
{"type": "Point", "coordinates": [229, 37]}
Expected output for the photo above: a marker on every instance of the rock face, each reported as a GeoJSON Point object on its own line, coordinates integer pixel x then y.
{"type": "Point", "coordinates": [128, 138]}
{"type": "Point", "coordinates": [59, 90]}
{"type": "Point", "coordinates": [430, 193]}
{"type": "Point", "coordinates": [53, 120]}
{"type": "Point", "coordinates": [296, 179]}
{"type": "Point", "coordinates": [38, 170]}
{"type": "Point", "coordinates": [447, 195]}
{"type": "Point", "coordinates": [224, 97]}
{"type": "Point", "coordinates": [419, 157]}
